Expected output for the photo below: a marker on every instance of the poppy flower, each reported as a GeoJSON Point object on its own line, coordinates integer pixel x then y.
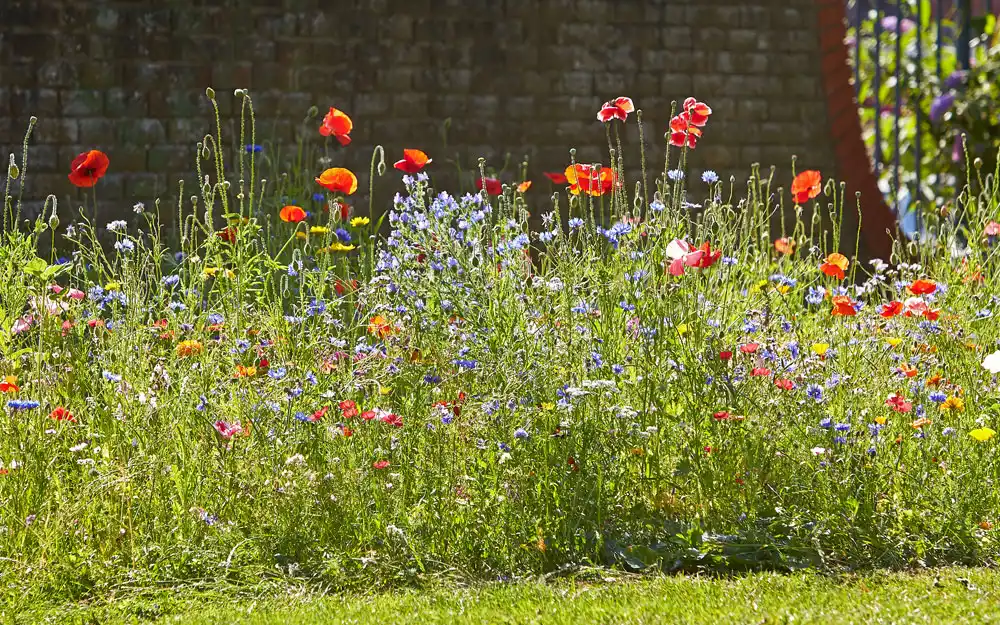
{"type": "Point", "coordinates": [228, 430]}
{"type": "Point", "coordinates": [914, 306]}
{"type": "Point", "coordinates": [293, 214]}
{"type": "Point", "coordinates": [61, 414]}
{"type": "Point", "coordinates": [835, 266]}
{"type": "Point", "coordinates": [806, 186]}
{"type": "Point", "coordinates": [9, 384]}
{"type": "Point", "coordinates": [392, 419]}
{"type": "Point", "coordinates": [524, 186]}
{"type": "Point", "coordinates": [619, 108]}
{"type": "Point", "coordinates": [380, 464]}
{"type": "Point", "coordinates": [683, 131]}
{"type": "Point", "coordinates": [87, 168]}
{"type": "Point", "coordinates": [726, 355]}
{"type": "Point", "coordinates": [685, 255]}
{"type": "Point", "coordinates": [785, 245]}
{"type": "Point", "coordinates": [898, 403]}
{"type": "Point", "coordinates": [413, 161]}
{"type": "Point", "coordinates": [590, 180]}
{"type": "Point", "coordinates": [227, 234]}
{"type": "Point", "coordinates": [749, 348]}
{"type": "Point", "coordinates": [337, 124]}
{"type": "Point", "coordinates": [698, 111]}
{"type": "Point", "coordinates": [493, 186]}
{"type": "Point", "coordinates": [784, 384]}
{"type": "Point", "coordinates": [557, 177]}
{"type": "Point", "coordinates": [923, 287]}
{"type": "Point", "coordinates": [338, 179]}
{"type": "Point", "coordinates": [721, 415]}
{"type": "Point", "coordinates": [348, 408]}
{"type": "Point", "coordinates": [843, 306]}
{"type": "Point", "coordinates": [891, 309]}
{"type": "Point", "coordinates": [188, 348]}
{"type": "Point", "coordinates": [379, 326]}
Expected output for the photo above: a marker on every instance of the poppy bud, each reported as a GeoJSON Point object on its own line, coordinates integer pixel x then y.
{"type": "Point", "coordinates": [313, 111]}
{"type": "Point", "coordinates": [210, 93]}
{"type": "Point", "coordinates": [978, 163]}
{"type": "Point", "coordinates": [53, 220]}
{"type": "Point", "coordinates": [12, 169]}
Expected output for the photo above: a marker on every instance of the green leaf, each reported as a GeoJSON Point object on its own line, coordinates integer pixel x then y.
{"type": "Point", "coordinates": [36, 267]}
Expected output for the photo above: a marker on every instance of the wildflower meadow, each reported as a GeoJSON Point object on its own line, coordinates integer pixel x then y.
{"type": "Point", "coordinates": [294, 383]}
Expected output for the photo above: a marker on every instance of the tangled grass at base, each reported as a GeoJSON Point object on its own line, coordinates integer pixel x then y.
{"type": "Point", "coordinates": [644, 382]}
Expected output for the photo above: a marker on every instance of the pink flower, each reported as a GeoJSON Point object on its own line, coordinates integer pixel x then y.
{"type": "Point", "coordinates": [227, 430]}
{"type": "Point", "coordinates": [23, 324]}
{"type": "Point", "coordinates": [381, 464]}
{"type": "Point", "coordinates": [76, 294]}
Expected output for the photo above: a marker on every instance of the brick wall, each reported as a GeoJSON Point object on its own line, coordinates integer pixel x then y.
{"type": "Point", "coordinates": [518, 76]}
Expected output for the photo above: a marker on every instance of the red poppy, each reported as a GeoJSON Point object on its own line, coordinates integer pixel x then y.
{"type": "Point", "coordinates": [590, 180]}
{"type": "Point", "coordinates": [392, 419]}
{"type": "Point", "coordinates": [619, 108]}
{"type": "Point", "coordinates": [338, 124]}
{"type": "Point", "coordinates": [556, 177]}
{"type": "Point", "coordinates": [87, 168]}
{"type": "Point", "coordinates": [381, 464]}
{"type": "Point", "coordinates": [227, 234]}
{"type": "Point", "coordinates": [835, 266]}
{"type": "Point", "coordinates": [760, 371]}
{"type": "Point", "coordinates": [749, 348]}
{"type": "Point", "coordinates": [898, 403]}
{"type": "Point", "coordinates": [698, 111]}
{"type": "Point", "coordinates": [891, 309]}
{"type": "Point", "coordinates": [806, 186]}
{"type": "Point", "coordinates": [348, 408]}
{"type": "Point", "coordinates": [683, 131]}
{"type": "Point", "coordinates": [338, 179]}
{"type": "Point", "coordinates": [784, 384]}
{"type": "Point", "coordinates": [413, 161]}
{"type": "Point", "coordinates": [293, 214]}
{"type": "Point", "coordinates": [61, 414]}
{"type": "Point", "coordinates": [493, 186]}
{"type": "Point", "coordinates": [923, 287]}
{"type": "Point", "coordinates": [9, 384]}
{"type": "Point", "coordinates": [721, 415]}
{"type": "Point", "coordinates": [524, 186]}
{"type": "Point", "coordinates": [368, 415]}
{"type": "Point", "coordinates": [319, 414]}
{"type": "Point", "coordinates": [725, 355]}
{"type": "Point", "coordinates": [843, 306]}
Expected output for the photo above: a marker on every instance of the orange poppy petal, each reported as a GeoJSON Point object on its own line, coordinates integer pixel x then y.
{"type": "Point", "coordinates": [338, 179]}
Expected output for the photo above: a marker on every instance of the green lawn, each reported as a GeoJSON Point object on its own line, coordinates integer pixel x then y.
{"type": "Point", "coordinates": [938, 596]}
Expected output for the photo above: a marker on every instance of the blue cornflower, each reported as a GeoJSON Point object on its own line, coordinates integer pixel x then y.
{"type": "Point", "coordinates": [840, 440]}
{"type": "Point", "coordinates": [277, 373]}
{"type": "Point", "coordinates": [124, 246]}
{"type": "Point", "coordinates": [503, 446]}
{"type": "Point", "coordinates": [343, 235]}
{"type": "Point", "coordinates": [311, 378]}
{"type": "Point", "coordinates": [22, 404]}
{"type": "Point", "coordinates": [948, 431]}
{"type": "Point", "coordinates": [826, 423]}
{"type": "Point", "coordinates": [617, 369]}
{"type": "Point", "coordinates": [111, 377]}
{"type": "Point", "coordinates": [170, 280]}
{"type": "Point", "coordinates": [842, 427]}
{"type": "Point", "coordinates": [215, 319]}
{"type": "Point", "coordinates": [937, 397]}
{"type": "Point", "coordinates": [431, 378]}
{"type": "Point", "coordinates": [675, 174]}
{"type": "Point", "coordinates": [708, 176]}
{"type": "Point", "coordinates": [520, 433]}
{"type": "Point", "coordinates": [319, 197]}
{"type": "Point", "coordinates": [202, 403]}
{"type": "Point", "coordinates": [466, 364]}
{"type": "Point", "coordinates": [657, 206]}
{"type": "Point", "coordinates": [253, 148]}
{"type": "Point", "coordinates": [815, 391]}
{"type": "Point", "coordinates": [815, 295]}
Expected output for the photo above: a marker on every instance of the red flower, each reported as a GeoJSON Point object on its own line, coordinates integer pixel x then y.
{"type": "Point", "coordinates": [590, 180]}
{"type": "Point", "coordinates": [557, 177]}
{"type": "Point", "coordinates": [698, 112]}
{"type": "Point", "coordinates": [87, 168]}
{"type": "Point", "coordinates": [348, 408]}
{"type": "Point", "coordinates": [524, 186]}
{"type": "Point", "coordinates": [368, 415]}
{"type": "Point", "coordinates": [9, 384]}
{"type": "Point", "coordinates": [835, 266]}
{"type": "Point", "coordinates": [381, 464]}
{"type": "Point", "coordinates": [293, 214]}
{"type": "Point", "coordinates": [749, 348]}
{"type": "Point", "coordinates": [683, 131]}
{"type": "Point", "coordinates": [392, 419]}
{"type": "Point", "coordinates": [619, 108]}
{"type": "Point", "coordinates": [493, 186]}
{"type": "Point", "coordinates": [898, 403]}
{"type": "Point", "coordinates": [227, 234]}
{"type": "Point", "coordinates": [725, 355]}
{"type": "Point", "coordinates": [413, 161]}
{"type": "Point", "coordinates": [891, 309]}
{"type": "Point", "coordinates": [338, 124]}
{"type": "Point", "coordinates": [319, 414]}
{"type": "Point", "coordinates": [722, 415]}
{"type": "Point", "coordinates": [843, 306]}
{"type": "Point", "coordinates": [61, 414]}
{"type": "Point", "coordinates": [760, 371]}
{"type": "Point", "coordinates": [784, 384]}
{"type": "Point", "coordinates": [923, 287]}
{"type": "Point", "coordinates": [806, 186]}
{"type": "Point", "coordinates": [338, 179]}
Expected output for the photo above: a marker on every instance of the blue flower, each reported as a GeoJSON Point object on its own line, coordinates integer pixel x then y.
{"type": "Point", "coordinates": [431, 378]}
{"type": "Point", "coordinates": [842, 427]}
{"type": "Point", "coordinates": [343, 235]}
{"type": "Point", "coordinates": [277, 373]}
{"type": "Point", "coordinates": [675, 175]}
{"type": "Point", "coordinates": [937, 397]}
{"type": "Point", "coordinates": [319, 197]}
{"type": "Point", "coordinates": [170, 280]}
{"type": "Point", "coordinates": [826, 423]}
{"type": "Point", "coordinates": [124, 246]}
{"type": "Point", "coordinates": [520, 433]}
{"type": "Point", "coordinates": [22, 404]}
{"type": "Point", "coordinates": [708, 176]}
{"type": "Point", "coordinates": [252, 148]}
{"type": "Point", "coordinates": [814, 391]}
{"type": "Point", "coordinates": [111, 377]}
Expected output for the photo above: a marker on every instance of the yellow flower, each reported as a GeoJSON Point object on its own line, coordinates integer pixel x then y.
{"type": "Point", "coordinates": [302, 236]}
{"type": "Point", "coordinates": [209, 272]}
{"type": "Point", "coordinates": [782, 288]}
{"type": "Point", "coordinates": [893, 341]}
{"type": "Point", "coordinates": [336, 246]}
{"type": "Point", "coordinates": [319, 230]}
{"type": "Point", "coordinates": [188, 348]}
{"type": "Point", "coordinates": [547, 405]}
{"type": "Point", "coordinates": [360, 221]}
{"type": "Point", "coordinates": [682, 329]}
{"type": "Point", "coordinates": [820, 349]}
{"type": "Point", "coordinates": [384, 390]}
{"type": "Point", "coordinates": [953, 404]}
{"type": "Point", "coordinates": [982, 434]}
{"type": "Point", "coordinates": [880, 420]}
{"type": "Point", "coordinates": [112, 286]}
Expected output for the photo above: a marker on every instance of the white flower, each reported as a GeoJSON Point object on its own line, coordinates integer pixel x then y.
{"type": "Point", "coordinates": [992, 362]}
{"type": "Point", "coordinates": [117, 225]}
{"type": "Point", "coordinates": [678, 249]}
{"type": "Point", "coordinates": [138, 208]}
{"type": "Point", "coordinates": [818, 451]}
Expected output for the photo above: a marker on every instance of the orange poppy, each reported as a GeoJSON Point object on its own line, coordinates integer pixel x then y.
{"type": "Point", "coordinates": [293, 214]}
{"type": "Point", "coordinates": [588, 179]}
{"type": "Point", "coordinates": [87, 168]}
{"type": "Point", "coordinates": [891, 309]}
{"type": "Point", "coordinates": [61, 414]}
{"type": "Point", "coordinates": [413, 161]}
{"type": "Point", "coordinates": [921, 422]}
{"type": "Point", "coordinates": [524, 186]}
{"type": "Point", "coordinates": [379, 326]}
{"type": "Point", "coordinates": [338, 179]}
{"type": "Point", "coordinates": [843, 306]}
{"type": "Point", "coordinates": [806, 186]}
{"type": "Point", "coordinates": [337, 124]}
{"type": "Point", "coordinates": [923, 287]}
{"type": "Point", "coordinates": [785, 245]}
{"type": "Point", "coordinates": [557, 177]}
{"type": "Point", "coordinates": [835, 265]}
{"type": "Point", "coordinates": [698, 111]}
{"type": "Point", "coordinates": [9, 384]}
{"type": "Point", "coordinates": [619, 108]}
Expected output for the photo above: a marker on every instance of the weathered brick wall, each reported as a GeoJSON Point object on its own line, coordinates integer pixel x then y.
{"type": "Point", "coordinates": [518, 76]}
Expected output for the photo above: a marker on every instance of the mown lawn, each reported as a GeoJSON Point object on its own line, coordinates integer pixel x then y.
{"type": "Point", "coordinates": [935, 596]}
